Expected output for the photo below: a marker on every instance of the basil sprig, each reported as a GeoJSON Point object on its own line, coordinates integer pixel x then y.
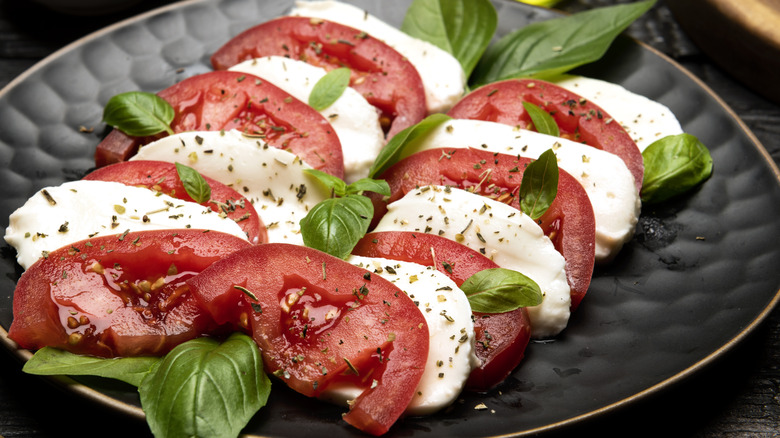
{"type": "Point", "coordinates": [542, 120]}
{"type": "Point", "coordinates": [500, 290]}
{"type": "Point", "coordinates": [554, 46]}
{"type": "Point", "coordinates": [336, 224]}
{"type": "Point", "coordinates": [540, 185]}
{"type": "Point", "coordinates": [200, 388]}
{"type": "Point", "coordinates": [329, 88]}
{"type": "Point", "coordinates": [462, 28]}
{"type": "Point", "coordinates": [139, 114]}
{"type": "Point", "coordinates": [194, 183]}
{"type": "Point", "coordinates": [394, 148]}
{"type": "Point", "coordinates": [674, 165]}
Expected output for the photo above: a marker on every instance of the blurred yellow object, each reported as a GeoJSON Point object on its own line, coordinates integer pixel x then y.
{"type": "Point", "coordinates": [546, 3]}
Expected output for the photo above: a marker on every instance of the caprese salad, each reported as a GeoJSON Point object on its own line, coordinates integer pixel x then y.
{"type": "Point", "coordinates": [331, 207]}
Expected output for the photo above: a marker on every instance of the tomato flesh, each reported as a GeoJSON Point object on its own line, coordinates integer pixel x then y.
{"type": "Point", "coordinates": [501, 338]}
{"type": "Point", "coordinates": [578, 119]}
{"type": "Point", "coordinates": [121, 295]}
{"type": "Point", "coordinates": [383, 76]}
{"type": "Point", "coordinates": [162, 177]}
{"type": "Point", "coordinates": [320, 321]}
{"type": "Point", "coordinates": [569, 222]}
{"type": "Point", "coordinates": [227, 100]}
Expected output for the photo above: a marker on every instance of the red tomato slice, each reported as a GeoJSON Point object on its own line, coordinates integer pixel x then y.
{"type": "Point", "coordinates": [162, 177]}
{"type": "Point", "coordinates": [230, 100]}
{"type": "Point", "coordinates": [121, 295]}
{"type": "Point", "coordinates": [569, 222]}
{"type": "Point", "coordinates": [501, 338]}
{"type": "Point", "coordinates": [383, 76]}
{"type": "Point", "coordinates": [578, 119]}
{"type": "Point", "coordinates": [320, 321]}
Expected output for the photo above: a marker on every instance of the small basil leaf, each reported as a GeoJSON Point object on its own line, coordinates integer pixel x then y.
{"type": "Point", "coordinates": [194, 183]}
{"type": "Point", "coordinates": [334, 183]}
{"type": "Point", "coordinates": [543, 121]}
{"type": "Point", "coordinates": [203, 388]}
{"type": "Point", "coordinates": [329, 88]}
{"type": "Point", "coordinates": [369, 185]}
{"type": "Point", "coordinates": [558, 45]}
{"type": "Point", "coordinates": [500, 290]}
{"type": "Point", "coordinates": [540, 185]}
{"type": "Point", "coordinates": [674, 165]}
{"type": "Point", "coordinates": [335, 225]}
{"type": "Point", "coordinates": [461, 27]}
{"type": "Point", "coordinates": [139, 114]}
{"type": "Point", "coordinates": [50, 361]}
{"type": "Point", "coordinates": [392, 151]}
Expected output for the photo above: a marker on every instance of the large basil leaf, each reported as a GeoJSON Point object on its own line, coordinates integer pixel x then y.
{"type": "Point", "coordinates": [390, 154]}
{"type": "Point", "coordinates": [558, 45]}
{"type": "Point", "coordinates": [138, 113]}
{"type": "Point", "coordinates": [204, 388]}
{"type": "Point", "coordinates": [540, 185]}
{"type": "Point", "coordinates": [335, 225]}
{"type": "Point", "coordinates": [674, 165]}
{"type": "Point", "coordinates": [500, 290]}
{"type": "Point", "coordinates": [461, 27]}
{"type": "Point", "coordinates": [50, 361]}
{"type": "Point", "coordinates": [194, 184]}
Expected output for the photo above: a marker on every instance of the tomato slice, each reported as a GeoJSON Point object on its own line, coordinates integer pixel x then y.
{"type": "Point", "coordinates": [122, 295]}
{"type": "Point", "coordinates": [382, 75]}
{"type": "Point", "coordinates": [569, 222]}
{"type": "Point", "coordinates": [226, 100]}
{"type": "Point", "coordinates": [319, 322]}
{"type": "Point", "coordinates": [501, 338]}
{"type": "Point", "coordinates": [162, 177]}
{"type": "Point", "coordinates": [578, 119]}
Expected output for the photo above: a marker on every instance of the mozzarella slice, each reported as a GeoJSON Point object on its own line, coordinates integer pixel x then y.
{"type": "Point", "coordinates": [272, 179]}
{"type": "Point", "coordinates": [442, 75]}
{"type": "Point", "coordinates": [644, 119]}
{"type": "Point", "coordinates": [605, 177]}
{"type": "Point", "coordinates": [56, 217]}
{"type": "Point", "coordinates": [355, 121]}
{"type": "Point", "coordinates": [503, 233]}
{"type": "Point", "coordinates": [446, 309]}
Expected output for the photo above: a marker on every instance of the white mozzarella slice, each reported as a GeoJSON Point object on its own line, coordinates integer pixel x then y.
{"type": "Point", "coordinates": [500, 232]}
{"type": "Point", "coordinates": [605, 177]}
{"type": "Point", "coordinates": [644, 119]}
{"type": "Point", "coordinates": [56, 217]}
{"type": "Point", "coordinates": [355, 121]}
{"type": "Point", "coordinates": [446, 309]}
{"type": "Point", "coordinates": [442, 75]}
{"type": "Point", "coordinates": [273, 180]}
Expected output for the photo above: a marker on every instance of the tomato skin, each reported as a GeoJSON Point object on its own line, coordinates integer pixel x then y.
{"type": "Point", "coordinates": [383, 76]}
{"type": "Point", "coordinates": [162, 177]}
{"type": "Point", "coordinates": [316, 318]}
{"type": "Point", "coordinates": [501, 338]}
{"type": "Point", "coordinates": [227, 100]}
{"type": "Point", "coordinates": [569, 222]}
{"type": "Point", "coordinates": [578, 119]}
{"type": "Point", "coordinates": [76, 299]}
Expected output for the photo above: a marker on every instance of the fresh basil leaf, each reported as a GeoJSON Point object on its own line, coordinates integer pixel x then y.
{"type": "Point", "coordinates": [50, 361]}
{"type": "Point", "coordinates": [335, 225]}
{"type": "Point", "coordinates": [138, 114]}
{"type": "Point", "coordinates": [555, 46]}
{"type": "Point", "coordinates": [334, 183]}
{"type": "Point", "coordinates": [500, 290]}
{"type": "Point", "coordinates": [461, 27]}
{"type": "Point", "coordinates": [369, 185]}
{"type": "Point", "coordinates": [540, 185]}
{"type": "Point", "coordinates": [542, 120]}
{"type": "Point", "coordinates": [204, 388]}
{"type": "Point", "coordinates": [674, 165]}
{"type": "Point", "coordinates": [194, 183]}
{"type": "Point", "coordinates": [392, 151]}
{"type": "Point", "coordinates": [329, 88]}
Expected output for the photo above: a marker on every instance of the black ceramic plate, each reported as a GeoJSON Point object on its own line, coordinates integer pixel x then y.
{"type": "Point", "coordinates": [700, 274]}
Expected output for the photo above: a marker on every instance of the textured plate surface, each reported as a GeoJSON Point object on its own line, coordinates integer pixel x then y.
{"type": "Point", "coordinates": [699, 275]}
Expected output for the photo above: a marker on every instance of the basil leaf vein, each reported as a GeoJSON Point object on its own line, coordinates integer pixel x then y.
{"type": "Point", "coordinates": [329, 88]}
{"type": "Point", "coordinates": [139, 114]}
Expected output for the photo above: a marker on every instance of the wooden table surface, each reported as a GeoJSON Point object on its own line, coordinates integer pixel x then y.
{"type": "Point", "coordinates": [737, 396]}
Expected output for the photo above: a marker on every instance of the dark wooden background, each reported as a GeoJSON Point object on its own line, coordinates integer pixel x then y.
{"type": "Point", "coordinates": [737, 396]}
